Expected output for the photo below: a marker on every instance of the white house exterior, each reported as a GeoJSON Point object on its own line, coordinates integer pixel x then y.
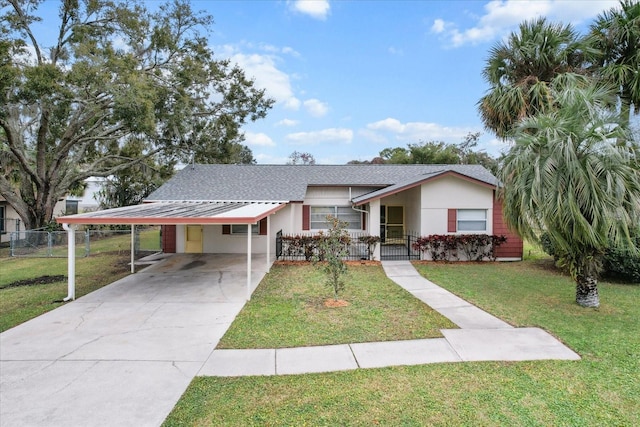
{"type": "Point", "coordinates": [211, 208]}
{"type": "Point", "coordinates": [389, 201]}
{"type": "Point", "coordinates": [244, 208]}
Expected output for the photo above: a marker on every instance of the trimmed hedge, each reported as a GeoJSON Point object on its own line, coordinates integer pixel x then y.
{"type": "Point", "coordinates": [450, 247]}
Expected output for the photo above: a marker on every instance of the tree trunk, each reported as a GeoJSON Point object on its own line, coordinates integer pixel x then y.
{"type": "Point", "coordinates": [587, 291]}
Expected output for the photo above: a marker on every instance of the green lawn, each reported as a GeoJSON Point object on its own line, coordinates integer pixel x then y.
{"type": "Point", "coordinates": [108, 262]}
{"type": "Point", "coordinates": [602, 389]}
{"type": "Point", "coordinates": [287, 310]}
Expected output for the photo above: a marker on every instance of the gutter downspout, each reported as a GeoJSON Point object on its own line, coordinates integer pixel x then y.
{"type": "Point", "coordinates": [71, 261]}
{"type": "Point", "coordinates": [353, 207]}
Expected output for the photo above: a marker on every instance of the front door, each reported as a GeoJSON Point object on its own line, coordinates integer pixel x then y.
{"type": "Point", "coordinates": [392, 223]}
{"type": "Point", "coordinates": [194, 239]}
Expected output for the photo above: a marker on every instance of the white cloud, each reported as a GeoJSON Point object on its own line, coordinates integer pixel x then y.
{"type": "Point", "coordinates": [395, 51]}
{"type": "Point", "coordinates": [438, 26]}
{"type": "Point", "coordinates": [264, 70]}
{"type": "Point", "coordinates": [287, 123]}
{"type": "Point", "coordinates": [318, 9]}
{"type": "Point", "coordinates": [393, 131]}
{"type": "Point", "coordinates": [316, 107]}
{"type": "Point", "coordinates": [258, 139]}
{"type": "Point", "coordinates": [340, 135]}
{"type": "Point", "coordinates": [275, 49]}
{"type": "Point", "coordinates": [503, 16]}
{"type": "Point", "coordinates": [268, 159]}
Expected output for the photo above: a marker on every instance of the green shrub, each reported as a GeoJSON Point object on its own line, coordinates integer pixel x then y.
{"type": "Point", "coordinates": [447, 247]}
{"type": "Point", "coordinates": [620, 263]}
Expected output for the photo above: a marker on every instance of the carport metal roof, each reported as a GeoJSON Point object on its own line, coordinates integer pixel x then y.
{"type": "Point", "coordinates": [170, 213]}
{"type": "Point", "coordinates": [183, 212]}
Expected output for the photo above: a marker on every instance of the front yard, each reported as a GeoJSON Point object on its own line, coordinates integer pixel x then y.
{"type": "Point", "coordinates": [601, 389]}
{"type": "Point", "coordinates": [287, 310]}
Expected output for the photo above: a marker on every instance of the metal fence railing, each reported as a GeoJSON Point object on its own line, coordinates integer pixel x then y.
{"type": "Point", "coordinates": [53, 244]}
{"type": "Point", "coordinates": [303, 247]}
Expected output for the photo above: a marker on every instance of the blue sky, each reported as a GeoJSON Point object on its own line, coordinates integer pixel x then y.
{"type": "Point", "coordinates": [354, 77]}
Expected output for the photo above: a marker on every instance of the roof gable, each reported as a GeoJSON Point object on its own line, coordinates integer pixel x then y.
{"type": "Point", "coordinates": [415, 182]}
{"type": "Point", "coordinates": [288, 183]}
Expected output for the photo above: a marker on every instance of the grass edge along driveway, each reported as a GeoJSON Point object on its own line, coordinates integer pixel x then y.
{"type": "Point", "coordinates": [287, 310]}
{"type": "Point", "coordinates": [601, 389]}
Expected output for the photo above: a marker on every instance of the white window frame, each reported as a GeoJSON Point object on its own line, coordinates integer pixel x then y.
{"type": "Point", "coordinates": [469, 220]}
{"type": "Point", "coordinates": [241, 229]}
{"type": "Point", "coordinates": [335, 212]}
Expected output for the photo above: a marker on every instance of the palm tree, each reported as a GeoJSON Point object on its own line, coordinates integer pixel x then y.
{"type": "Point", "coordinates": [616, 35]}
{"type": "Point", "coordinates": [567, 175]}
{"type": "Point", "coordinates": [520, 70]}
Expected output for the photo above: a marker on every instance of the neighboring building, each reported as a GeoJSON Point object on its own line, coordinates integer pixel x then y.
{"type": "Point", "coordinates": [211, 208]}
{"type": "Point", "coordinates": [9, 221]}
{"type": "Point", "coordinates": [88, 202]}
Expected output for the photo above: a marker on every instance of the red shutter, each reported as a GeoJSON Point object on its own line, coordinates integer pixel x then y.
{"type": "Point", "coordinates": [306, 217]}
{"type": "Point", "coordinates": [364, 221]}
{"type": "Point", "coordinates": [452, 220]}
{"type": "Point", "coordinates": [168, 239]}
{"type": "Point", "coordinates": [262, 225]}
{"type": "Point", "coordinates": [226, 229]}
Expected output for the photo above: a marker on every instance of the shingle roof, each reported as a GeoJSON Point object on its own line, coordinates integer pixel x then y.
{"type": "Point", "coordinates": [288, 183]}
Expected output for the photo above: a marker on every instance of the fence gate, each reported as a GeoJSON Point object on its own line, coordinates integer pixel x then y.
{"type": "Point", "coordinates": [400, 249]}
{"type": "Point", "coordinates": [278, 244]}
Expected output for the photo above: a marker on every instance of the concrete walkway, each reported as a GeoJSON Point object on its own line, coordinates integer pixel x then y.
{"type": "Point", "coordinates": [481, 337]}
{"type": "Point", "coordinates": [124, 354]}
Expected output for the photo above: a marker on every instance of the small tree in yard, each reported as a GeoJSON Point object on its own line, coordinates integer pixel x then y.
{"type": "Point", "coordinates": [332, 250]}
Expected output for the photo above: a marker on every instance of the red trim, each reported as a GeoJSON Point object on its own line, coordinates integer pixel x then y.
{"type": "Point", "coordinates": [306, 217]}
{"type": "Point", "coordinates": [452, 220]}
{"type": "Point", "coordinates": [82, 219]}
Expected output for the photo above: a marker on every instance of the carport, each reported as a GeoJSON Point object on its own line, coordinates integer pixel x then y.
{"type": "Point", "coordinates": [173, 213]}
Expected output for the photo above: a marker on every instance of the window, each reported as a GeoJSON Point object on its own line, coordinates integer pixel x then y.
{"type": "Point", "coordinates": [472, 219]}
{"type": "Point", "coordinates": [318, 216]}
{"type": "Point", "coordinates": [2, 219]}
{"type": "Point", "coordinates": [71, 207]}
{"type": "Point", "coordinates": [242, 229]}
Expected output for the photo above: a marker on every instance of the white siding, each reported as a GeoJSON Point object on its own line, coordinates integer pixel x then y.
{"type": "Point", "coordinates": [216, 242]}
{"type": "Point", "coordinates": [452, 193]}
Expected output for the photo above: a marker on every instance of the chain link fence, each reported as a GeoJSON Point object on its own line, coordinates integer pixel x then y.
{"type": "Point", "coordinates": [53, 244]}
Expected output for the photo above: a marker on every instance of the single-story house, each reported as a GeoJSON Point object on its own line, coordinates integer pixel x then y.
{"type": "Point", "coordinates": [244, 208]}
{"type": "Point", "coordinates": [385, 200]}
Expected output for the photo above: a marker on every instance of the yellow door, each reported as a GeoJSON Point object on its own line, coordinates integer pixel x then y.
{"type": "Point", "coordinates": [395, 224]}
{"type": "Point", "coordinates": [194, 239]}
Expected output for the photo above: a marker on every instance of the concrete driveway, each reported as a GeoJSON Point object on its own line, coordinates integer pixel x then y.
{"type": "Point", "coordinates": [122, 355]}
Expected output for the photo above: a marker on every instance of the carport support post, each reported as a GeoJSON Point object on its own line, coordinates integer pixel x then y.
{"type": "Point", "coordinates": [268, 240]}
{"type": "Point", "coordinates": [133, 248]}
{"type": "Point", "coordinates": [248, 262]}
{"type": "Point", "coordinates": [71, 261]}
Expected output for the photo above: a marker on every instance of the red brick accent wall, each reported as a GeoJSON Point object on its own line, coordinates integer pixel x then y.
{"type": "Point", "coordinates": [512, 248]}
{"type": "Point", "coordinates": [452, 220]}
{"type": "Point", "coordinates": [168, 239]}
